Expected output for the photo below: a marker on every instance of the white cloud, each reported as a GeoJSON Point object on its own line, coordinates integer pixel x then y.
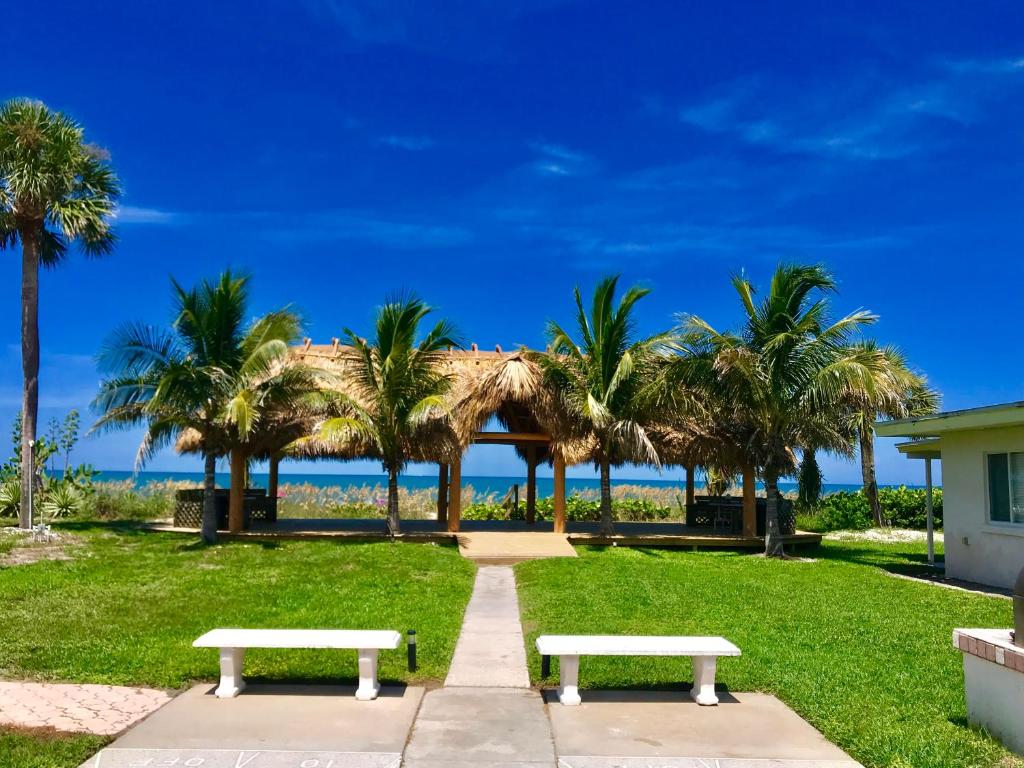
{"type": "Point", "coordinates": [130, 214]}
{"type": "Point", "coordinates": [408, 143]}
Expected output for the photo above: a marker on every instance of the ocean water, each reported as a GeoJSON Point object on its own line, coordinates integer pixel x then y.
{"type": "Point", "coordinates": [481, 484]}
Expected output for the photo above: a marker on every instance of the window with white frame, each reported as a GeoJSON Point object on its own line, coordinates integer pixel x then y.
{"type": "Point", "coordinates": [1006, 488]}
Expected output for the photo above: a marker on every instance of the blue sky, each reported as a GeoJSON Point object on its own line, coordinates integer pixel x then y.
{"type": "Point", "coordinates": [493, 155]}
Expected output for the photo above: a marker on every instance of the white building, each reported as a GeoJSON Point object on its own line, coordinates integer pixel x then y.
{"type": "Point", "coordinates": [982, 453]}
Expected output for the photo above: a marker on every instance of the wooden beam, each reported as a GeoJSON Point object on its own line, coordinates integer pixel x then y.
{"type": "Point", "coordinates": [531, 484]}
{"type": "Point", "coordinates": [749, 501]}
{"type": "Point", "coordinates": [442, 494]}
{"type": "Point", "coordinates": [690, 486]}
{"type": "Point", "coordinates": [510, 438]}
{"type": "Point", "coordinates": [559, 494]}
{"type": "Point", "coordinates": [455, 496]}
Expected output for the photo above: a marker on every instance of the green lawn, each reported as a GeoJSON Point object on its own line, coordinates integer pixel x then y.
{"type": "Point", "coordinates": [864, 656]}
{"type": "Point", "coordinates": [46, 749]}
{"type": "Point", "coordinates": [127, 606]}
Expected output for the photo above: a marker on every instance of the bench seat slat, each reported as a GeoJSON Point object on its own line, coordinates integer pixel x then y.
{"type": "Point", "coordinates": [634, 645]}
{"type": "Point", "coordinates": [300, 638]}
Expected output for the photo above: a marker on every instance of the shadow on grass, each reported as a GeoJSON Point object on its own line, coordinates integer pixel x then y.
{"type": "Point", "coordinates": [901, 563]}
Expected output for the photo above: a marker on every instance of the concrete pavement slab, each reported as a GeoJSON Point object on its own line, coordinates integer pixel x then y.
{"type": "Point", "coordinates": [490, 650]}
{"type": "Point", "coordinates": [481, 727]}
{"type": "Point", "coordinates": [746, 730]}
{"type": "Point", "coordinates": [271, 725]}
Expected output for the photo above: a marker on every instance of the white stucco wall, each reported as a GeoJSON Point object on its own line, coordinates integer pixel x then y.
{"type": "Point", "coordinates": [977, 550]}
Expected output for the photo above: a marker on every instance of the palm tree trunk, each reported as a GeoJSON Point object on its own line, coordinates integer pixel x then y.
{"type": "Point", "coordinates": [393, 522]}
{"type": "Point", "coordinates": [607, 526]}
{"type": "Point", "coordinates": [209, 533]}
{"type": "Point", "coordinates": [867, 470]}
{"type": "Point", "coordinates": [772, 534]}
{"type": "Point", "coordinates": [236, 501]}
{"type": "Point", "coordinates": [29, 361]}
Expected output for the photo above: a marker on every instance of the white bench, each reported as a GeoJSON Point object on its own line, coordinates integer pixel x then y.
{"type": "Point", "coordinates": [233, 642]}
{"type": "Point", "coordinates": [704, 650]}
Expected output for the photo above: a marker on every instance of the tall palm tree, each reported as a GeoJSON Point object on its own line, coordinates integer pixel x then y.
{"type": "Point", "coordinates": [896, 392]}
{"type": "Point", "coordinates": [604, 381]}
{"type": "Point", "coordinates": [785, 377]}
{"type": "Point", "coordinates": [56, 191]}
{"type": "Point", "coordinates": [192, 375]}
{"type": "Point", "coordinates": [398, 387]}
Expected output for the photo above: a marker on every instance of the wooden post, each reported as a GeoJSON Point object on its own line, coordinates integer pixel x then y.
{"type": "Point", "coordinates": [690, 486]}
{"type": "Point", "coordinates": [272, 473]}
{"type": "Point", "coordinates": [531, 484]}
{"type": "Point", "coordinates": [749, 501]}
{"type": "Point", "coordinates": [559, 494]}
{"type": "Point", "coordinates": [236, 498]}
{"type": "Point", "coordinates": [442, 495]}
{"type": "Point", "coordinates": [455, 496]}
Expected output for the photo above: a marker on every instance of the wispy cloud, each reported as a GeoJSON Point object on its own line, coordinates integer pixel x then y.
{"type": "Point", "coordinates": [408, 143]}
{"type": "Point", "coordinates": [870, 121]}
{"type": "Point", "coordinates": [366, 227]}
{"type": "Point", "coordinates": [130, 214]}
{"type": "Point", "coordinates": [558, 160]}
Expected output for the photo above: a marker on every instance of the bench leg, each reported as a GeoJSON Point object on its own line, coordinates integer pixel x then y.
{"type": "Point", "coordinates": [231, 682]}
{"type": "Point", "coordinates": [569, 670]}
{"type": "Point", "coordinates": [703, 691]}
{"type": "Point", "coordinates": [368, 685]}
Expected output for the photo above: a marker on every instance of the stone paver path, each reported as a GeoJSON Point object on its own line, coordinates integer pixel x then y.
{"type": "Point", "coordinates": [486, 716]}
{"type": "Point", "coordinates": [102, 709]}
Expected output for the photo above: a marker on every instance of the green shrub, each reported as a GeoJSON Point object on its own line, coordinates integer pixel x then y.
{"type": "Point", "coordinates": [902, 507]}
{"type": "Point", "coordinates": [907, 507]}
{"type": "Point", "coordinates": [577, 509]}
{"type": "Point", "coordinates": [844, 510]}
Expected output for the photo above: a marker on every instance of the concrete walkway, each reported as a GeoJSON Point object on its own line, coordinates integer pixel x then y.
{"type": "Point", "coordinates": [103, 709]}
{"type": "Point", "coordinates": [486, 715]}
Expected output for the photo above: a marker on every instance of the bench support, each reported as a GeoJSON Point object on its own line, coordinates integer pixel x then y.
{"type": "Point", "coordinates": [368, 685]}
{"type": "Point", "coordinates": [568, 691]}
{"type": "Point", "coordinates": [703, 691]}
{"type": "Point", "coordinates": [231, 682]}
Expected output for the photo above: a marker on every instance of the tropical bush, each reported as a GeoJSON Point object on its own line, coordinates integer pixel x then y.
{"type": "Point", "coordinates": [902, 507]}
{"type": "Point", "coordinates": [62, 500]}
{"type": "Point", "coordinates": [577, 509]}
{"type": "Point", "coordinates": [10, 497]}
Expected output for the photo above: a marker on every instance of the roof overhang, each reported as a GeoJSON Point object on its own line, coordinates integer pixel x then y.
{"type": "Point", "coordinates": [929, 448]}
{"type": "Point", "coordinates": [988, 417]}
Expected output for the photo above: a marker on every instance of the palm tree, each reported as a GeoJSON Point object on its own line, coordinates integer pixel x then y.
{"type": "Point", "coordinates": [896, 392]}
{"type": "Point", "coordinates": [260, 394]}
{"type": "Point", "coordinates": [398, 388]}
{"type": "Point", "coordinates": [604, 382]}
{"type": "Point", "coordinates": [55, 191]}
{"type": "Point", "coordinates": [196, 375]}
{"type": "Point", "coordinates": [785, 377]}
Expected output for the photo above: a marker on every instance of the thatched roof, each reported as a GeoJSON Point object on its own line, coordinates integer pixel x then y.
{"type": "Point", "coordinates": [486, 384]}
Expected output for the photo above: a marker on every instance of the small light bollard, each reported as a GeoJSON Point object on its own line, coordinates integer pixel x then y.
{"type": "Point", "coordinates": [410, 647]}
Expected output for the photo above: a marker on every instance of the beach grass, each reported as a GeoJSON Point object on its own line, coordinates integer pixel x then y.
{"type": "Point", "coordinates": [866, 657]}
{"type": "Point", "coordinates": [126, 604]}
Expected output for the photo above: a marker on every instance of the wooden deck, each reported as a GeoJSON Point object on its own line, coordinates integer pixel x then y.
{"type": "Point", "coordinates": [626, 534]}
